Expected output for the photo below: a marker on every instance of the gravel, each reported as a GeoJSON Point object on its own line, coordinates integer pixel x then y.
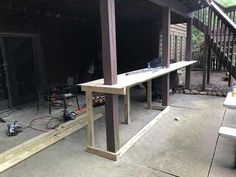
{"type": "Point", "coordinates": [218, 83]}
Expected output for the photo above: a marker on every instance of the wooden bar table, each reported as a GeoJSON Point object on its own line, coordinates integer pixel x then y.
{"type": "Point", "coordinates": [229, 132]}
{"type": "Point", "coordinates": [125, 82]}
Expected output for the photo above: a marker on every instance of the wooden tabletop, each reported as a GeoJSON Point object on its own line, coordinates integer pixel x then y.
{"type": "Point", "coordinates": [230, 101]}
{"type": "Point", "coordinates": [130, 79]}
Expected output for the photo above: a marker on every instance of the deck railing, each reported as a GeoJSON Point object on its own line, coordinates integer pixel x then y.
{"type": "Point", "coordinates": [230, 11]}
{"type": "Point", "coordinates": [220, 31]}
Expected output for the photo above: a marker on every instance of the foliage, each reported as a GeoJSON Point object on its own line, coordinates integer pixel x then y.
{"type": "Point", "coordinates": [227, 3]}
{"type": "Point", "coordinates": [197, 39]}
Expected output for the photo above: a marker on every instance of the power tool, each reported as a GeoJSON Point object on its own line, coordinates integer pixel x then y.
{"type": "Point", "coordinates": [98, 100]}
{"type": "Point", "coordinates": [13, 129]}
{"type": "Point", "coordinates": [69, 115]}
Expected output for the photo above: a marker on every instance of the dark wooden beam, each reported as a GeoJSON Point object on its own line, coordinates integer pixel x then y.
{"type": "Point", "coordinates": [188, 54]}
{"type": "Point", "coordinates": [230, 9]}
{"type": "Point", "coordinates": [174, 6]}
{"type": "Point", "coordinates": [166, 18]}
{"type": "Point", "coordinates": [108, 28]}
{"type": "Point", "coordinates": [205, 57]}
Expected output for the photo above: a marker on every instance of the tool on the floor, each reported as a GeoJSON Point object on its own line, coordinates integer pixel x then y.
{"type": "Point", "coordinates": [81, 109]}
{"type": "Point", "coordinates": [13, 129]}
{"type": "Point", "coordinates": [69, 115]}
{"type": "Point", "coordinates": [98, 100]}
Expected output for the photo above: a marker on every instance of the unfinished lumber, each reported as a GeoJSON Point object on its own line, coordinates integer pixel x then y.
{"type": "Point", "coordinates": [89, 106]}
{"type": "Point", "coordinates": [127, 107]}
{"type": "Point", "coordinates": [149, 94]}
{"type": "Point", "coordinates": [125, 81]}
{"type": "Point", "coordinates": [140, 134]}
{"type": "Point", "coordinates": [227, 132]}
{"type": "Point", "coordinates": [117, 155]}
{"type": "Point", "coordinates": [102, 153]}
{"type": "Point", "coordinates": [25, 150]}
{"type": "Point", "coordinates": [158, 107]}
{"type": "Point", "coordinates": [230, 101]}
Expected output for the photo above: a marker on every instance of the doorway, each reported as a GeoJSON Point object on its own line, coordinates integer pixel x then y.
{"type": "Point", "coordinates": [18, 69]}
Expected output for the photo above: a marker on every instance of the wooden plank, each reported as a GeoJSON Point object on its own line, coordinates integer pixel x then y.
{"type": "Point", "coordinates": [176, 6]}
{"type": "Point", "coordinates": [213, 27]}
{"type": "Point", "coordinates": [159, 107]}
{"type": "Point", "coordinates": [228, 132]}
{"type": "Point", "coordinates": [188, 55]}
{"type": "Point", "coordinates": [166, 20]}
{"type": "Point", "coordinates": [127, 107]}
{"type": "Point", "coordinates": [217, 30]}
{"type": "Point", "coordinates": [232, 60]}
{"type": "Point", "coordinates": [25, 150]}
{"type": "Point", "coordinates": [134, 79]}
{"type": "Point", "coordinates": [149, 94]}
{"type": "Point", "coordinates": [203, 12]}
{"type": "Point", "coordinates": [108, 28]}
{"type": "Point", "coordinates": [112, 89]}
{"type": "Point", "coordinates": [221, 35]}
{"type": "Point", "coordinates": [140, 134]}
{"type": "Point", "coordinates": [89, 106]}
{"type": "Point", "coordinates": [230, 101]}
{"type": "Point", "coordinates": [165, 89]}
{"type": "Point", "coordinates": [130, 143]}
{"type": "Point", "coordinates": [112, 122]}
{"type": "Point", "coordinates": [204, 65]}
{"type": "Point", "coordinates": [176, 48]}
{"type": "Point", "coordinates": [102, 153]}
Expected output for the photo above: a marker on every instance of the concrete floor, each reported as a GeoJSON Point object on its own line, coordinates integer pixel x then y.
{"type": "Point", "coordinates": [171, 148]}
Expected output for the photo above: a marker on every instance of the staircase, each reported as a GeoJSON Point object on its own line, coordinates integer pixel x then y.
{"type": "Point", "coordinates": [218, 25]}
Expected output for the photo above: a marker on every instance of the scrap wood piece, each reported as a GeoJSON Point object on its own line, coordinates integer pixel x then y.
{"type": "Point", "coordinates": [23, 151]}
{"type": "Point", "coordinates": [141, 133]}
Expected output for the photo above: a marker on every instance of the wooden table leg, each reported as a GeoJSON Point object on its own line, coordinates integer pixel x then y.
{"type": "Point", "coordinates": [89, 107]}
{"type": "Point", "coordinates": [127, 106]}
{"type": "Point", "coordinates": [149, 94]}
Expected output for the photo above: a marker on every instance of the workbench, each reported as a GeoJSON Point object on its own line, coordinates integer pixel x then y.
{"type": "Point", "coordinates": [230, 103]}
{"type": "Point", "coordinates": [124, 82]}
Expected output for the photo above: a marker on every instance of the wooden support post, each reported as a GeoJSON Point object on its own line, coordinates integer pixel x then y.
{"type": "Point", "coordinates": [204, 65]}
{"type": "Point", "coordinates": [112, 123]}
{"type": "Point", "coordinates": [166, 18]}
{"type": "Point", "coordinates": [127, 106]}
{"type": "Point", "coordinates": [208, 46]}
{"type": "Point", "coordinates": [149, 94]}
{"type": "Point", "coordinates": [89, 106]}
{"type": "Point", "coordinates": [188, 55]}
{"type": "Point", "coordinates": [108, 28]}
{"type": "Point", "coordinates": [232, 61]}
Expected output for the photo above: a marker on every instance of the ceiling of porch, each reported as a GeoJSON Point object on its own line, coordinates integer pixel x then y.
{"type": "Point", "coordinates": [89, 10]}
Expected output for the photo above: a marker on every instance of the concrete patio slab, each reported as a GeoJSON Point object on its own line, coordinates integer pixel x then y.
{"type": "Point", "coordinates": [171, 148]}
